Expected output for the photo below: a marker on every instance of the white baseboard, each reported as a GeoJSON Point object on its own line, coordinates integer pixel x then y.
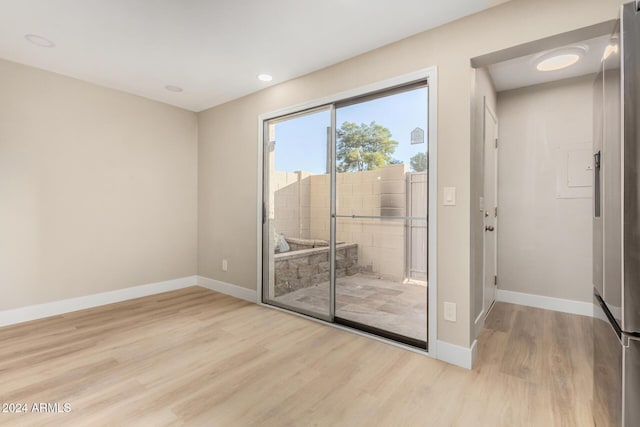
{"type": "Point", "coordinates": [39, 311]}
{"type": "Point", "coordinates": [547, 303]}
{"type": "Point", "coordinates": [250, 295]}
{"type": "Point", "coordinates": [456, 354]}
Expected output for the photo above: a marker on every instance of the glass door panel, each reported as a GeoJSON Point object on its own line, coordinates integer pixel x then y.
{"type": "Point", "coordinates": [345, 216]}
{"type": "Point", "coordinates": [296, 212]}
{"type": "Point", "coordinates": [381, 215]}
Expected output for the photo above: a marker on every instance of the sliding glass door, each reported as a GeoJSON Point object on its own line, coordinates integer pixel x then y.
{"type": "Point", "coordinates": [346, 213]}
{"type": "Point", "coordinates": [296, 212]}
{"type": "Point", "coordinates": [381, 191]}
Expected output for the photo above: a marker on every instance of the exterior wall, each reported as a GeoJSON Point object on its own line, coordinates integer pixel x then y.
{"type": "Point", "coordinates": [319, 199]}
{"type": "Point", "coordinates": [98, 189]}
{"type": "Point", "coordinates": [228, 138]}
{"type": "Point", "coordinates": [381, 243]}
{"type": "Point", "coordinates": [544, 241]}
{"type": "Point", "coordinates": [291, 202]}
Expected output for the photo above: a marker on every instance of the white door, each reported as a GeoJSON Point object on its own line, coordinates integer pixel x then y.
{"type": "Point", "coordinates": [490, 207]}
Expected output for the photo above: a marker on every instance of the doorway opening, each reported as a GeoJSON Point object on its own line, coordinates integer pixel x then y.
{"type": "Point", "coordinates": [536, 243]}
{"type": "Point", "coordinates": [346, 212]}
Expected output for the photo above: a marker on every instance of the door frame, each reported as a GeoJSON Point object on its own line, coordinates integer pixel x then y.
{"type": "Point", "coordinates": [487, 108]}
{"type": "Point", "coordinates": [429, 74]}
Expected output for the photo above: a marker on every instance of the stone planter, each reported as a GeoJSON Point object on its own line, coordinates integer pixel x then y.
{"type": "Point", "coordinates": [309, 267]}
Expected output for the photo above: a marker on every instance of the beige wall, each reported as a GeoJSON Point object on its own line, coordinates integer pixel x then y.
{"type": "Point", "coordinates": [98, 189]}
{"type": "Point", "coordinates": [228, 138]}
{"type": "Point", "coordinates": [544, 242]}
{"type": "Point", "coordinates": [483, 89]}
{"type": "Point", "coordinates": [492, 3]}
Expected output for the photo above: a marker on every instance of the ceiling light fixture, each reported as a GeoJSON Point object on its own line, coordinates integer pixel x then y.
{"type": "Point", "coordinates": [172, 88]}
{"type": "Point", "coordinates": [265, 77]}
{"type": "Point", "coordinates": [559, 59]}
{"type": "Point", "coordinates": [558, 62]}
{"type": "Point", "coordinates": [39, 40]}
{"type": "Point", "coordinates": [610, 50]}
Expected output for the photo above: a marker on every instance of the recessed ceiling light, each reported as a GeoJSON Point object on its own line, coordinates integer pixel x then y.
{"type": "Point", "coordinates": [558, 62]}
{"type": "Point", "coordinates": [559, 59]}
{"type": "Point", "coordinates": [39, 40]}
{"type": "Point", "coordinates": [172, 88]}
{"type": "Point", "coordinates": [265, 77]}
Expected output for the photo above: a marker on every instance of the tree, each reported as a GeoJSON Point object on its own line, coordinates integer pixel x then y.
{"type": "Point", "coordinates": [418, 162]}
{"type": "Point", "coordinates": [364, 147]}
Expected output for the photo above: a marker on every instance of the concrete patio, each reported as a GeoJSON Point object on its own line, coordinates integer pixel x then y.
{"type": "Point", "coordinates": [364, 298]}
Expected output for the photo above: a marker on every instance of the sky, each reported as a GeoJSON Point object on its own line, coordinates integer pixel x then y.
{"type": "Point", "coordinates": [301, 142]}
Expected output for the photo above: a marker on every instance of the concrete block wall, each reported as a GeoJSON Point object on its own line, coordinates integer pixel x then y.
{"type": "Point", "coordinates": [290, 203]}
{"type": "Point", "coordinates": [302, 210]}
{"type": "Point", "coordinates": [319, 207]}
{"type": "Point", "coordinates": [381, 242]}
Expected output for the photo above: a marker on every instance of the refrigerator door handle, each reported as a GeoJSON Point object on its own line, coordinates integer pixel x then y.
{"type": "Point", "coordinates": [630, 380]}
{"type": "Point", "coordinates": [596, 184]}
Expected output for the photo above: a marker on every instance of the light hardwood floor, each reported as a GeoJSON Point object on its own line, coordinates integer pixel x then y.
{"type": "Point", "coordinates": [196, 357]}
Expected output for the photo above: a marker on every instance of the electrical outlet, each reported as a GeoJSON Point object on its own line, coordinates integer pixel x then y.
{"type": "Point", "coordinates": [225, 265]}
{"type": "Point", "coordinates": [450, 311]}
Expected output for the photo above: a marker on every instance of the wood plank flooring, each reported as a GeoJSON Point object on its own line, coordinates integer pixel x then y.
{"type": "Point", "coordinates": [199, 358]}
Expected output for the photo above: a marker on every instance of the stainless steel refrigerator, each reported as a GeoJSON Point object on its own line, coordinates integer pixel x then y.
{"type": "Point", "coordinates": [616, 227]}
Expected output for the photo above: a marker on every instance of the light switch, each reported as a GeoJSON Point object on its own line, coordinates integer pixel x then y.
{"type": "Point", "coordinates": [450, 311]}
{"type": "Point", "coordinates": [449, 196]}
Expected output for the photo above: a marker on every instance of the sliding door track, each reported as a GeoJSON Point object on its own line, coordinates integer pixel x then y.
{"type": "Point", "coordinates": [414, 342]}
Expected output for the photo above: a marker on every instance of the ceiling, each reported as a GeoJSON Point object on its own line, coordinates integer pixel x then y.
{"type": "Point", "coordinates": [212, 49]}
{"type": "Point", "coordinates": [521, 72]}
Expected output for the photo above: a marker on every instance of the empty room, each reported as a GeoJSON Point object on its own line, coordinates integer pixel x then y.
{"type": "Point", "coordinates": [338, 213]}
